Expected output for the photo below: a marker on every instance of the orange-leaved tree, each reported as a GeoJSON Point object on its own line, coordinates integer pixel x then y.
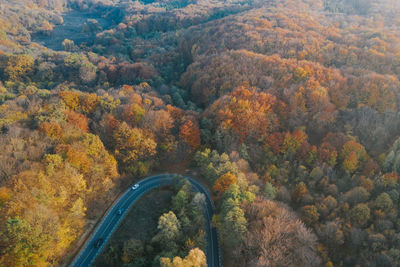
{"type": "Point", "coordinates": [247, 112]}
{"type": "Point", "coordinates": [223, 182]}
{"type": "Point", "coordinates": [353, 154]}
{"type": "Point", "coordinates": [78, 120]}
{"type": "Point", "coordinates": [51, 129]}
{"type": "Point", "coordinates": [190, 133]}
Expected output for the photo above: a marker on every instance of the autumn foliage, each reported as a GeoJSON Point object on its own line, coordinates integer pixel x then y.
{"type": "Point", "coordinates": [247, 112]}
{"type": "Point", "coordinates": [78, 120]}
{"type": "Point", "coordinates": [189, 132]}
{"type": "Point", "coordinates": [52, 130]}
{"type": "Point", "coordinates": [223, 182]}
{"type": "Point", "coordinates": [278, 104]}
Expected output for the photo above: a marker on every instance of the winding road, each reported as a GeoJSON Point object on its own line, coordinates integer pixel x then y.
{"type": "Point", "coordinates": [112, 219]}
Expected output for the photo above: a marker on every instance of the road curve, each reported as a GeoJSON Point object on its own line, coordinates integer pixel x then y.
{"type": "Point", "coordinates": [111, 221]}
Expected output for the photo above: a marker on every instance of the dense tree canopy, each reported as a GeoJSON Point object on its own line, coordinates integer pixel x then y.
{"type": "Point", "coordinates": [273, 104]}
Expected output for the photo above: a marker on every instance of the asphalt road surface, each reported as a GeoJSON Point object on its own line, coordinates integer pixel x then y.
{"type": "Point", "coordinates": [112, 219]}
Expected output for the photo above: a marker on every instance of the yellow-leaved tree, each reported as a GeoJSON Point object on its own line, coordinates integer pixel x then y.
{"type": "Point", "coordinates": [196, 258]}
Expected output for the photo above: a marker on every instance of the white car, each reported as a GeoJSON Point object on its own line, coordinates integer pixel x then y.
{"type": "Point", "coordinates": [135, 186]}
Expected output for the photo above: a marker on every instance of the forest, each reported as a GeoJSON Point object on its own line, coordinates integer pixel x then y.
{"type": "Point", "coordinates": [287, 110]}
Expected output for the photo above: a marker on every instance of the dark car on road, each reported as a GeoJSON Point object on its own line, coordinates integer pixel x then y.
{"type": "Point", "coordinates": [98, 243]}
{"type": "Point", "coordinates": [119, 212]}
